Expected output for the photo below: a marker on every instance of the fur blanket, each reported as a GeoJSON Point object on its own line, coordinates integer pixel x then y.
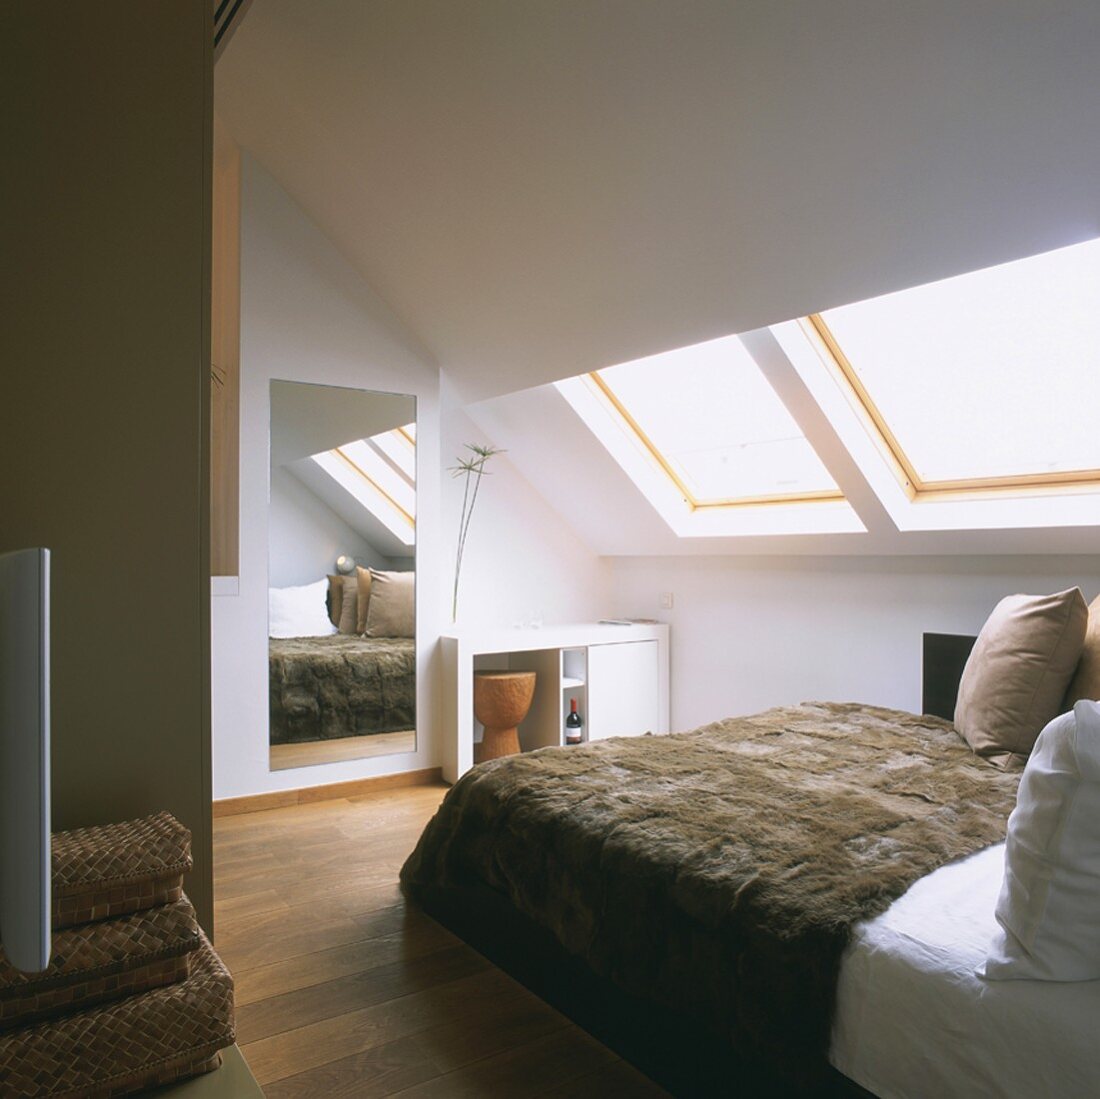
{"type": "Point", "coordinates": [327, 687]}
{"type": "Point", "coordinates": [720, 871]}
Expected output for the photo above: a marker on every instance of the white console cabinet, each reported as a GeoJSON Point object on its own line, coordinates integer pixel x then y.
{"type": "Point", "coordinates": [617, 674]}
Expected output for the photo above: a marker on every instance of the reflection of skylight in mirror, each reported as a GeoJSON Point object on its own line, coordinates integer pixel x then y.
{"type": "Point", "coordinates": [708, 416]}
{"type": "Point", "coordinates": [994, 374]}
{"type": "Point", "coordinates": [380, 472]}
{"type": "Point", "coordinates": [368, 461]}
{"type": "Point", "coordinates": [399, 447]}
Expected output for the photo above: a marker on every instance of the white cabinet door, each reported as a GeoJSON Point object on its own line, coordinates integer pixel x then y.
{"type": "Point", "coordinates": [623, 689]}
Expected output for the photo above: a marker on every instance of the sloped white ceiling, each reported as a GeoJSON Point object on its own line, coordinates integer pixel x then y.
{"type": "Point", "coordinates": [544, 187]}
{"type": "Point", "coordinates": [308, 419]}
{"type": "Point", "coordinates": [360, 519]}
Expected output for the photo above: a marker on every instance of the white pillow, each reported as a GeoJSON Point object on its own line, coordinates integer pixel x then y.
{"type": "Point", "coordinates": [1049, 907]}
{"type": "Point", "coordinates": [299, 612]}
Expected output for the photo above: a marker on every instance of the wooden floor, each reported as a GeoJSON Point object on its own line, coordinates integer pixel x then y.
{"type": "Point", "coordinates": [342, 990]}
{"type": "Point", "coordinates": [311, 752]}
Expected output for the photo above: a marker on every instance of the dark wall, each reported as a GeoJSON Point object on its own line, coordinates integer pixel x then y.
{"type": "Point", "coordinates": [104, 392]}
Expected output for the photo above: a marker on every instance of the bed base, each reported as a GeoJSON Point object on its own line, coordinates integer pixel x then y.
{"type": "Point", "coordinates": [676, 1052]}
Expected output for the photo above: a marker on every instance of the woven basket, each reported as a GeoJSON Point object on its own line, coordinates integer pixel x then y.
{"type": "Point", "coordinates": [103, 961]}
{"type": "Point", "coordinates": [155, 1038]}
{"type": "Point", "coordinates": [115, 869]}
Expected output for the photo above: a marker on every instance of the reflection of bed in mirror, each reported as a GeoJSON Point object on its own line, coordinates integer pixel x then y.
{"type": "Point", "coordinates": [326, 688]}
{"type": "Point", "coordinates": [342, 538]}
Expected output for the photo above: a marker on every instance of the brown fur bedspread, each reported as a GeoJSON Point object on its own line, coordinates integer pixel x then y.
{"type": "Point", "coordinates": [720, 871]}
{"type": "Point", "coordinates": [327, 687]}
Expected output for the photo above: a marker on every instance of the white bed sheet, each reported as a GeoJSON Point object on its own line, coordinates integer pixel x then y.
{"type": "Point", "coordinates": [913, 1020]}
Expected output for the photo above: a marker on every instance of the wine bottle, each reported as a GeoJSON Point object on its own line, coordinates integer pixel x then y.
{"type": "Point", "coordinates": [573, 724]}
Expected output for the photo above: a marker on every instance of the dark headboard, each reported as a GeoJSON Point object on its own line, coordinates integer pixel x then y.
{"type": "Point", "coordinates": [945, 657]}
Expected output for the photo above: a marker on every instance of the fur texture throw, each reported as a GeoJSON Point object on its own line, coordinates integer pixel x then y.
{"type": "Point", "coordinates": [720, 871]}
{"type": "Point", "coordinates": [322, 688]}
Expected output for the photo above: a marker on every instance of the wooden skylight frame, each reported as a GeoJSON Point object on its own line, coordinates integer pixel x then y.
{"type": "Point", "coordinates": [362, 473]}
{"type": "Point", "coordinates": [817, 329]}
{"type": "Point", "coordinates": [612, 400]}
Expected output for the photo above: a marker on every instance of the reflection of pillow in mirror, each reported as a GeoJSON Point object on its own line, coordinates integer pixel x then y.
{"type": "Point", "coordinates": [349, 607]}
{"type": "Point", "coordinates": [299, 612]}
{"type": "Point", "coordinates": [364, 598]}
{"type": "Point", "coordinates": [335, 601]}
{"type": "Point", "coordinates": [392, 610]}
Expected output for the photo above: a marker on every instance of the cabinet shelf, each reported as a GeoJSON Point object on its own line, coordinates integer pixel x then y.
{"type": "Point", "coordinates": [618, 674]}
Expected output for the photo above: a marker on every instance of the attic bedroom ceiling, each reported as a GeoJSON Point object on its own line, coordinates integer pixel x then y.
{"type": "Point", "coordinates": [541, 189]}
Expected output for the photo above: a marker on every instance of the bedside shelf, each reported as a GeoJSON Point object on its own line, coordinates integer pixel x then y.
{"type": "Point", "coordinates": [618, 675]}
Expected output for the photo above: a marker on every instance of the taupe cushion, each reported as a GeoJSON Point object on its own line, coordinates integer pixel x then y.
{"type": "Point", "coordinates": [1016, 677]}
{"type": "Point", "coordinates": [349, 606]}
{"type": "Point", "coordinates": [392, 610]}
{"type": "Point", "coordinates": [1085, 685]}
{"type": "Point", "coordinates": [364, 598]}
{"type": "Point", "coordinates": [335, 600]}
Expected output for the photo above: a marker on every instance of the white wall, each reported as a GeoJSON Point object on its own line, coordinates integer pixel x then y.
{"type": "Point", "coordinates": [749, 633]}
{"type": "Point", "coordinates": [307, 316]}
{"type": "Point", "coordinates": [522, 557]}
{"type": "Point", "coordinates": [306, 535]}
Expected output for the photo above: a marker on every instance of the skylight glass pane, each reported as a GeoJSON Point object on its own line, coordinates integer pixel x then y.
{"type": "Point", "coordinates": [359, 484]}
{"type": "Point", "coordinates": [712, 417]}
{"type": "Point", "coordinates": [399, 447]}
{"type": "Point", "coordinates": [995, 374]}
{"type": "Point", "coordinates": [372, 465]}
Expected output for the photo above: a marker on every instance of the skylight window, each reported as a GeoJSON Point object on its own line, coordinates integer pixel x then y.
{"type": "Point", "coordinates": [989, 380]}
{"type": "Point", "coordinates": [709, 420]}
{"type": "Point", "coordinates": [710, 445]}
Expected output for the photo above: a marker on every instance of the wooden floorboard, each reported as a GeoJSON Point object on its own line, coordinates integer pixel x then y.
{"type": "Point", "coordinates": [376, 985]}
{"type": "Point", "coordinates": [284, 756]}
{"type": "Point", "coordinates": [562, 1057]}
{"type": "Point", "coordinates": [343, 991]}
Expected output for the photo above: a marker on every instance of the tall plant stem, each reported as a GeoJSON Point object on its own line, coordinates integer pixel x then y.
{"type": "Point", "coordinates": [468, 501]}
{"type": "Point", "coordinates": [462, 524]}
{"type": "Point", "coordinates": [468, 467]}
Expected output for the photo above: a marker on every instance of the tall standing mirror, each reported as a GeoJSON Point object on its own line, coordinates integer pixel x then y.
{"type": "Point", "coordinates": [342, 596]}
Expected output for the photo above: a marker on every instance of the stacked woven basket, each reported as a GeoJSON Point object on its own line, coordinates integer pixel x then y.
{"type": "Point", "coordinates": [134, 995]}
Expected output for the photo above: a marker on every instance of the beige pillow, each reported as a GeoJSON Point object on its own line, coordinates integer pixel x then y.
{"type": "Point", "coordinates": [364, 598]}
{"type": "Point", "coordinates": [335, 600]}
{"type": "Point", "coordinates": [1016, 677]}
{"type": "Point", "coordinates": [1085, 685]}
{"type": "Point", "coordinates": [349, 606]}
{"type": "Point", "coordinates": [392, 610]}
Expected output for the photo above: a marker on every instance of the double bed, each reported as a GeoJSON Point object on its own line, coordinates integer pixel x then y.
{"type": "Point", "coordinates": [791, 903]}
{"type": "Point", "coordinates": [326, 688]}
{"type": "Point", "coordinates": [719, 873]}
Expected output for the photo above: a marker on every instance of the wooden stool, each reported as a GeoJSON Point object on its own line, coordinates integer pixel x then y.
{"type": "Point", "coordinates": [501, 702]}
